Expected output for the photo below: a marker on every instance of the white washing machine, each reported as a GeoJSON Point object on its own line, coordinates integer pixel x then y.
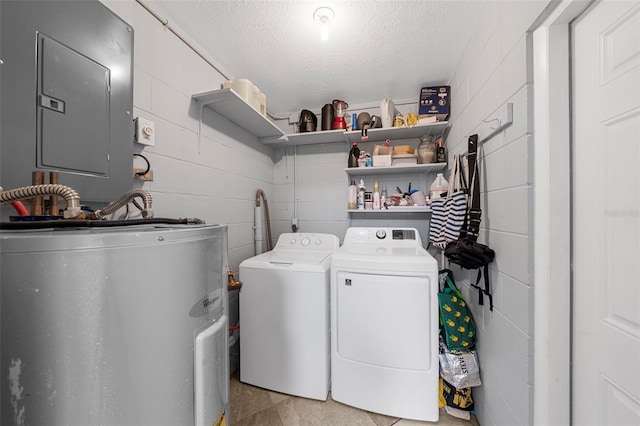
{"type": "Point", "coordinates": [384, 324]}
{"type": "Point", "coordinates": [284, 316]}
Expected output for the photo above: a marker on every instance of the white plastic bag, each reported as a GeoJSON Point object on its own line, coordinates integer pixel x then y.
{"type": "Point", "coordinates": [459, 368]}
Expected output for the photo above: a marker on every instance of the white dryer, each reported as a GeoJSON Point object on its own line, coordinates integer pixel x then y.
{"type": "Point", "coordinates": [284, 316]}
{"type": "Point", "coordinates": [384, 324]}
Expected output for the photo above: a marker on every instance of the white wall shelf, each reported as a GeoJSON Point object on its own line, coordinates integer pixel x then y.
{"type": "Point", "coordinates": [229, 105]}
{"type": "Point", "coordinates": [333, 136]}
{"type": "Point", "coordinates": [387, 170]}
{"type": "Point", "coordinates": [393, 210]}
{"type": "Point", "coordinates": [311, 138]}
{"type": "Point", "coordinates": [409, 132]}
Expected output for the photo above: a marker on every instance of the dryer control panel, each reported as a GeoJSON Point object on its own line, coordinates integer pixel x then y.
{"type": "Point", "coordinates": [403, 234]}
{"type": "Point", "coordinates": [383, 236]}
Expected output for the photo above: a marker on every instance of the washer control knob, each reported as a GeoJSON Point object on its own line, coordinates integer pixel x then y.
{"type": "Point", "coordinates": [305, 241]}
{"type": "Point", "coordinates": [318, 242]}
{"type": "Point", "coordinates": [381, 234]}
{"type": "Point", "coordinates": [292, 241]}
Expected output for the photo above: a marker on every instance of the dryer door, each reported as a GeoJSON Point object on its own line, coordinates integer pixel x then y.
{"type": "Point", "coordinates": [385, 320]}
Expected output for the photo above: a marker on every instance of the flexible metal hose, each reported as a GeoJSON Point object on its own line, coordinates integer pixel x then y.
{"type": "Point", "coordinates": [96, 223]}
{"type": "Point", "coordinates": [69, 194]}
{"type": "Point", "coordinates": [260, 194]}
{"type": "Point", "coordinates": [124, 200]}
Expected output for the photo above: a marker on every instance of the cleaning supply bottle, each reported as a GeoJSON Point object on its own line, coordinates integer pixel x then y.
{"type": "Point", "coordinates": [361, 190]}
{"type": "Point", "coordinates": [383, 198]}
{"type": "Point", "coordinates": [376, 196]}
{"type": "Point", "coordinates": [439, 187]}
{"type": "Point", "coordinates": [354, 154]}
{"type": "Point", "coordinates": [352, 202]}
{"type": "Point", "coordinates": [440, 154]}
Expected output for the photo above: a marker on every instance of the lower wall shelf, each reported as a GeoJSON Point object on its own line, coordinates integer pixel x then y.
{"type": "Point", "coordinates": [394, 210]}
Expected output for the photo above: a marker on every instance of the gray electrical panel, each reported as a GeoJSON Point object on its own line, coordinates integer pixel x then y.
{"type": "Point", "coordinates": [66, 93]}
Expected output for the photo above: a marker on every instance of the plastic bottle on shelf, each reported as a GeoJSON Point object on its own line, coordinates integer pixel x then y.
{"type": "Point", "coordinates": [354, 154]}
{"type": "Point", "coordinates": [438, 187]}
{"type": "Point", "coordinates": [361, 190]}
{"type": "Point", "coordinates": [383, 198]}
{"type": "Point", "coordinates": [361, 159]}
{"type": "Point", "coordinates": [352, 202]}
{"type": "Point", "coordinates": [376, 196]}
{"type": "Point", "coordinates": [440, 154]}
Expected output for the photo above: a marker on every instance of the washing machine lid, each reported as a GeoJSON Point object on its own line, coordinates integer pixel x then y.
{"type": "Point", "coordinates": [302, 257]}
{"type": "Point", "coordinates": [297, 249]}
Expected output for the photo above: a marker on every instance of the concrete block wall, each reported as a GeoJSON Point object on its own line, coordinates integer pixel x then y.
{"type": "Point", "coordinates": [319, 197]}
{"type": "Point", "coordinates": [214, 173]}
{"type": "Point", "coordinates": [210, 171]}
{"type": "Point", "coordinates": [495, 70]}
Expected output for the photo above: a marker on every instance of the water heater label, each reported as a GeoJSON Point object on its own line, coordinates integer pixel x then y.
{"type": "Point", "coordinates": [203, 306]}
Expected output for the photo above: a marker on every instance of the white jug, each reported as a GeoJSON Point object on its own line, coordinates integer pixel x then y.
{"type": "Point", "coordinates": [387, 111]}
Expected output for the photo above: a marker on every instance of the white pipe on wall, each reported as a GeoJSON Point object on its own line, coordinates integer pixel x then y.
{"type": "Point", "coordinates": [258, 235]}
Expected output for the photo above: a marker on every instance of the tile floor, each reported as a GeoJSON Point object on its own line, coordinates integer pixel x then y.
{"type": "Point", "coordinates": [253, 406]}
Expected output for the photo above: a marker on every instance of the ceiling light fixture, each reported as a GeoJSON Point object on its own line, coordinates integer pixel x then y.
{"type": "Point", "coordinates": [324, 15]}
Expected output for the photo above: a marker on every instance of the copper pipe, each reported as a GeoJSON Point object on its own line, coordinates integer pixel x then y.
{"type": "Point", "coordinates": [232, 282]}
{"type": "Point", "coordinates": [37, 178]}
{"type": "Point", "coordinates": [54, 178]}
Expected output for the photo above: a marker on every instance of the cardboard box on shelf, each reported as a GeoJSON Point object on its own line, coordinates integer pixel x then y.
{"type": "Point", "coordinates": [434, 102]}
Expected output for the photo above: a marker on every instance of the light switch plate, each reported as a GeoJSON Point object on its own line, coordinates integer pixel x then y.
{"type": "Point", "coordinates": [145, 131]}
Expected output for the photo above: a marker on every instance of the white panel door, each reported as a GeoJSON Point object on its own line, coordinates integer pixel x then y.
{"type": "Point", "coordinates": [606, 215]}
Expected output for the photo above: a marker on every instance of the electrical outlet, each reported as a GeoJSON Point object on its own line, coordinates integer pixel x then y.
{"type": "Point", "coordinates": [148, 177]}
{"type": "Point", "coordinates": [145, 131]}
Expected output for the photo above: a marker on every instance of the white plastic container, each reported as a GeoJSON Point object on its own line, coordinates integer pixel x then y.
{"type": "Point", "coordinates": [249, 92]}
{"type": "Point", "coordinates": [403, 159]}
{"type": "Point", "coordinates": [438, 187]}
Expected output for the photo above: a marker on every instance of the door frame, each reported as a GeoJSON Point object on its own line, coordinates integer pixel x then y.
{"type": "Point", "coordinates": [552, 214]}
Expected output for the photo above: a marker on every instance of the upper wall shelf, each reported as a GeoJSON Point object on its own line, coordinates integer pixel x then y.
{"type": "Point", "coordinates": [228, 104]}
{"type": "Point", "coordinates": [310, 138]}
{"type": "Point", "coordinates": [384, 133]}
{"type": "Point", "coordinates": [332, 136]}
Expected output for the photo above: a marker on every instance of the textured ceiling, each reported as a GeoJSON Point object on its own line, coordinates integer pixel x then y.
{"type": "Point", "coordinates": [376, 49]}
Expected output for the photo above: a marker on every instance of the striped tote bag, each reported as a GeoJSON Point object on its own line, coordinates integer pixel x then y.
{"type": "Point", "coordinates": [448, 213]}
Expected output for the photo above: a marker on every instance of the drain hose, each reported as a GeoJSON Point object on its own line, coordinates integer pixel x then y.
{"type": "Point", "coordinates": [260, 194]}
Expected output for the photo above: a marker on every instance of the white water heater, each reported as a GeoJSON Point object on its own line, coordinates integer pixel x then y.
{"type": "Point", "coordinates": [114, 326]}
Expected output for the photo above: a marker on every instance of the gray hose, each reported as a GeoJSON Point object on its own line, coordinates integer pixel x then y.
{"type": "Point", "coordinates": [69, 194]}
{"type": "Point", "coordinates": [147, 211]}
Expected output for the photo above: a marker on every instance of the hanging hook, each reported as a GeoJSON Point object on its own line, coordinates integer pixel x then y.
{"type": "Point", "coordinates": [491, 121]}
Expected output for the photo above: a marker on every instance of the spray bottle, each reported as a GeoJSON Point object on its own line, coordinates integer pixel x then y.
{"type": "Point", "coordinates": [361, 190]}
{"type": "Point", "coordinates": [376, 196]}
